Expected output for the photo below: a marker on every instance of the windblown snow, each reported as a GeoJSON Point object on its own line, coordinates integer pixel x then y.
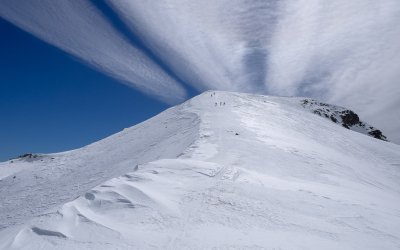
{"type": "Point", "coordinates": [220, 171]}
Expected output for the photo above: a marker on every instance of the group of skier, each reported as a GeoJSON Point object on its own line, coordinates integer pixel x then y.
{"type": "Point", "coordinates": [220, 103]}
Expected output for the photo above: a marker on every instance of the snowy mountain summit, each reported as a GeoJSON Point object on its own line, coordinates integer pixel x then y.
{"type": "Point", "coordinates": [220, 171]}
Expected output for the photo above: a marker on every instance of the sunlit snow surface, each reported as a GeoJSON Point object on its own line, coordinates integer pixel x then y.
{"type": "Point", "coordinates": [259, 172]}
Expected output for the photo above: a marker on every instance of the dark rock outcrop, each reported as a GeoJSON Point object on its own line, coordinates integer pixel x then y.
{"type": "Point", "coordinates": [342, 116]}
{"type": "Point", "coordinates": [350, 118]}
{"type": "Point", "coordinates": [377, 134]}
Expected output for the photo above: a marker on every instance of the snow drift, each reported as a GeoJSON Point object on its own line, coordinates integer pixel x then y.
{"type": "Point", "coordinates": [220, 171]}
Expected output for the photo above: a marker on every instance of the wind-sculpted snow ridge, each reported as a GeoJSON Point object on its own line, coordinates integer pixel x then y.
{"type": "Point", "coordinates": [221, 171]}
{"type": "Point", "coordinates": [342, 116]}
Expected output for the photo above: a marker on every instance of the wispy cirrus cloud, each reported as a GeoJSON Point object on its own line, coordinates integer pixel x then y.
{"type": "Point", "coordinates": [79, 28]}
{"type": "Point", "coordinates": [209, 44]}
{"type": "Point", "coordinates": [343, 52]}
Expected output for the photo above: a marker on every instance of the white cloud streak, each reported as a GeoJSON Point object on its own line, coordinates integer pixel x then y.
{"type": "Point", "coordinates": [80, 29]}
{"type": "Point", "coordinates": [342, 52]}
{"type": "Point", "coordinates": [209, 44]}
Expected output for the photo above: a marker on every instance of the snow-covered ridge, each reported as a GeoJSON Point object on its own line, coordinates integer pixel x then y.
{"type": "Point", "coordinates": [342, 116]}
{"type": "Point", "coordinates": [220, 171]}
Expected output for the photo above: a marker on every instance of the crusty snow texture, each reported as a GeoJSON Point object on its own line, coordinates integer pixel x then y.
{"type": "Point", "coordinates": [220, 171]}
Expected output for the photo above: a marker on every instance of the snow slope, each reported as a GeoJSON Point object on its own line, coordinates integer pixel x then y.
{"type": "Point", "coordinates": [259, 172]}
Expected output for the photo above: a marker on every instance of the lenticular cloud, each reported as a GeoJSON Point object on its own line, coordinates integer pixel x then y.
{"type": "Point", "coordinates": [343, 52]}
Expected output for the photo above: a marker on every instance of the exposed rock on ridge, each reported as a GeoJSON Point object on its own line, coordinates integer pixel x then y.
{"type": "Point", "coordinates": [342, 116]}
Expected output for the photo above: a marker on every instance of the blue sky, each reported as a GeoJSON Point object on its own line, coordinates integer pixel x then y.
{"type": "Point", "coordinates": [79, 63]}
{"type": "Point", "coordinates": [50, 102]}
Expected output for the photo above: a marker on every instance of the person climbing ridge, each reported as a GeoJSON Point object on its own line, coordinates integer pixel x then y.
{"type": "Point", "coordinates": [224, 103]}
{"type": "Point", "coordinates": [215, 104]}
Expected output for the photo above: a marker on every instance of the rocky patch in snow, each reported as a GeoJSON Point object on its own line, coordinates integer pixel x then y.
{"type": "Point", "coordinates": [342, 116]}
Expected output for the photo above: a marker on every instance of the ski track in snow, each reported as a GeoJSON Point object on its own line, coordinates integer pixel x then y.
{"type": "Point", "coordinates": [259, 172]}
